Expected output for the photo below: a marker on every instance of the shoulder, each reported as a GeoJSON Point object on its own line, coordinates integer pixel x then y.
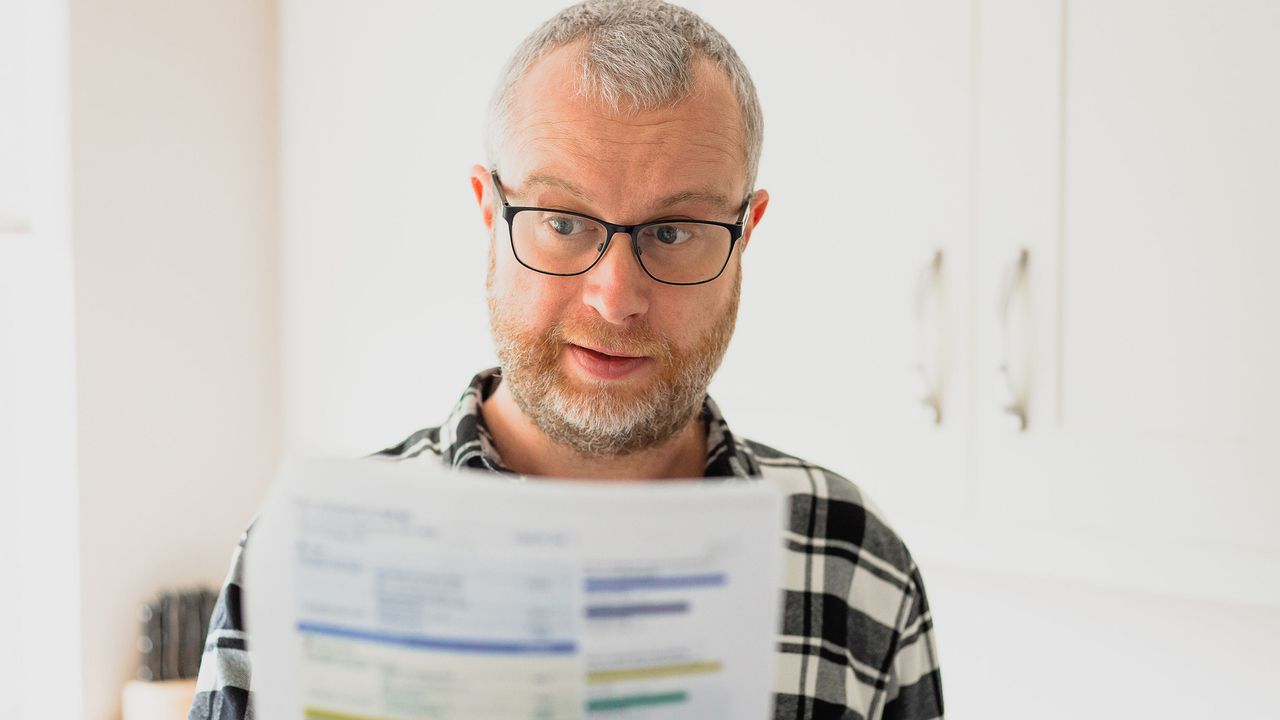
{"type": "Point", "coordinates": [223, 684]}
{"type": "Point", "coordinates": [831, 513]}
{"type": "Point", "coordinates": [424, 441]}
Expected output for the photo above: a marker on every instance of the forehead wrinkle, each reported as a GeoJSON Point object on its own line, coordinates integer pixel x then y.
{"type": "Point", "coordinates": [627, 129]}
{"type": "Point", "coordinates": [540, 178]}
{"type": "Point", "coordinates": [709, 146]}
{"type": "Point", "coordinates": [590, 150]}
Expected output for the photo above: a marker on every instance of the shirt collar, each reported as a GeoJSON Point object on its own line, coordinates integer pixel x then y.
{"type": "Point", "coordinates": [465, 440]}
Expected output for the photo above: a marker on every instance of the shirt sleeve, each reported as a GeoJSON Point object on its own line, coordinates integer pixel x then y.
{"type": "Point", "coordinates": [222, 688]}
{"type": "Point", "coordinates": [915, 682]}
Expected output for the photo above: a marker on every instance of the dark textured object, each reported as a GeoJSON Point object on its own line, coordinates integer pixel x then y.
{"type": "Point", "coordinates": [150, 642]}
{"type": "Point", "coordinates": [172, 632]}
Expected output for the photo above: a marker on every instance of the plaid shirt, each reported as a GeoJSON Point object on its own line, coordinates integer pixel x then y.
{"type": "Point", "coordinates": [856, 640]}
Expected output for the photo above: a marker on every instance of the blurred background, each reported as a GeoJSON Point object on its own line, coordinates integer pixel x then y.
{"type": "Point", "coordinates": [1016, 281]}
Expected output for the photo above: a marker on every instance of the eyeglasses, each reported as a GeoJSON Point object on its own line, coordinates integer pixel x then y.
{"type": "Point", "coordinates": [563, 243]}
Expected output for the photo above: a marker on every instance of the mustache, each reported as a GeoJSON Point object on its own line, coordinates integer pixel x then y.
{"type": "Point", "coordinates": [636, 341]}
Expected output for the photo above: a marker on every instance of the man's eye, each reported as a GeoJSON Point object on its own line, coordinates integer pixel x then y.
{"type": "Point", "coordinates": [564, 225]}
{"type": "Point", "coordinates": [670, 234]}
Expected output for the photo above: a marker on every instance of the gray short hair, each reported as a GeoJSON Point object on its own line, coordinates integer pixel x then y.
{"type": "Point", "coordinates": [639, 52]}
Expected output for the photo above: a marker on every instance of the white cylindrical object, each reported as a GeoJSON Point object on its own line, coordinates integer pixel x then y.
{"type": "Point", "coordinates": [158, 700]}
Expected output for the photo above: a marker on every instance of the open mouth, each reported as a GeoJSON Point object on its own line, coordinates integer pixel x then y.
{"type": "Point", "coordinates": [607, 355]}
{"type": "Point", "coordinates": [605, 366]}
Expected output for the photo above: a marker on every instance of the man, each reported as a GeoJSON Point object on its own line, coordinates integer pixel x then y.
{"type": "Point", "coordinates": [623, 145]}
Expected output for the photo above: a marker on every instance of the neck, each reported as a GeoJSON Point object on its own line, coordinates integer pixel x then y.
{"type": "Point", "coordinates": [528, 451]}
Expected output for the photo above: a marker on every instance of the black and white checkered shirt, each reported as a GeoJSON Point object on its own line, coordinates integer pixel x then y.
{"type": "Point", "coordinates": [856, 638]}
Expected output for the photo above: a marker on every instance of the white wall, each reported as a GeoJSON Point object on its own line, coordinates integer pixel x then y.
{"type": "Point", "coordinates": [12, 182]}
{"type": "Point", "coordinates": [174, 157]}
{"type": "Point", "coordinates": [39, 540]}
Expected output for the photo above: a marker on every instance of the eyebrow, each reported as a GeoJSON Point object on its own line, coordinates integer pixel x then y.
{"type": "Point", "coordinates": [710, 197]}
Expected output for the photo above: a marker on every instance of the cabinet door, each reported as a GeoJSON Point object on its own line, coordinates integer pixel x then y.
{"type": "Point", "coordinates": [1132, 150]}
{"type": "Point", "coordinates": [867, 108]}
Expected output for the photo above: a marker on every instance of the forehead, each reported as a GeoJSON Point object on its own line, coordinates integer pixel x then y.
{"type": "Point", "coordinates": [627, 160]}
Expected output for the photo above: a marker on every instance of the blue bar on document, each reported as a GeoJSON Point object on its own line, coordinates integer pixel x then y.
{"type": "Point", "coordinates": [654, 582]}
{"type": "Point", "coordinates": [622, 611]}
{"type": "Point", "coordinates": [423, 642]}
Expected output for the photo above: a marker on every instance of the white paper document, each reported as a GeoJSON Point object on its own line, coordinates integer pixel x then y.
{"type": "Point", "coordinates": [390, 591]}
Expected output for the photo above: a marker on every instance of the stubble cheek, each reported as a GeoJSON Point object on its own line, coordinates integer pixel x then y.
{"type": "Point", "coordinates": [522, 317]}
{"type": "Point", "coordinates": [714, 318]}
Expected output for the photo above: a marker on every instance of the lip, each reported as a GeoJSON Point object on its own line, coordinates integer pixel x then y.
{"type": "Point", "coordinates": [605, 366]}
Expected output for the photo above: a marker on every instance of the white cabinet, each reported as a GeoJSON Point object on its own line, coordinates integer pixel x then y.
{"type": "Point", "coordinates": [867, 155]}
{"type": "Point", "coordinates": [1100, 179]}
{"type": "Point", "coordinates": [1131, 150]}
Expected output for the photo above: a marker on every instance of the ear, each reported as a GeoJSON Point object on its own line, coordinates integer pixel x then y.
{"type": "Point", "coordinates": [482, 187]}
{"type": "Point", "coordinates": [759, 201]}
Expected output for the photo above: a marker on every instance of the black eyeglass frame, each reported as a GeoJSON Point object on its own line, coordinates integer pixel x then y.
{"type": "Point", "coordinates": [510, 211]}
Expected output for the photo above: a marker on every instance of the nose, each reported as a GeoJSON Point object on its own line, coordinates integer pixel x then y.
{"type": "Point", "coordinates": [617, 288]}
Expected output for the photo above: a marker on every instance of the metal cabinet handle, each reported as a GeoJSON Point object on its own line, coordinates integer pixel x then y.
{"type": "Point", "coordinates": [1015, 401]}
{"type": "Point", "coordinates": [927, 369]}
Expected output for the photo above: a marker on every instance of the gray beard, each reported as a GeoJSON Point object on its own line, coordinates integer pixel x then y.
{"type": "Point", "coordinates": [595, 422]}
{"type": "Point", "coordinates": [594, 419]}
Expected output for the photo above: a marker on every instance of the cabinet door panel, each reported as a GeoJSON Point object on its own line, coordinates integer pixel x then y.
{"type": "Point", "coordinates": [1143, 330]}
{"type": "Point", "coordinates": [1172, 254]}
{"type": "Point", "coordinates": [867, 159]}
